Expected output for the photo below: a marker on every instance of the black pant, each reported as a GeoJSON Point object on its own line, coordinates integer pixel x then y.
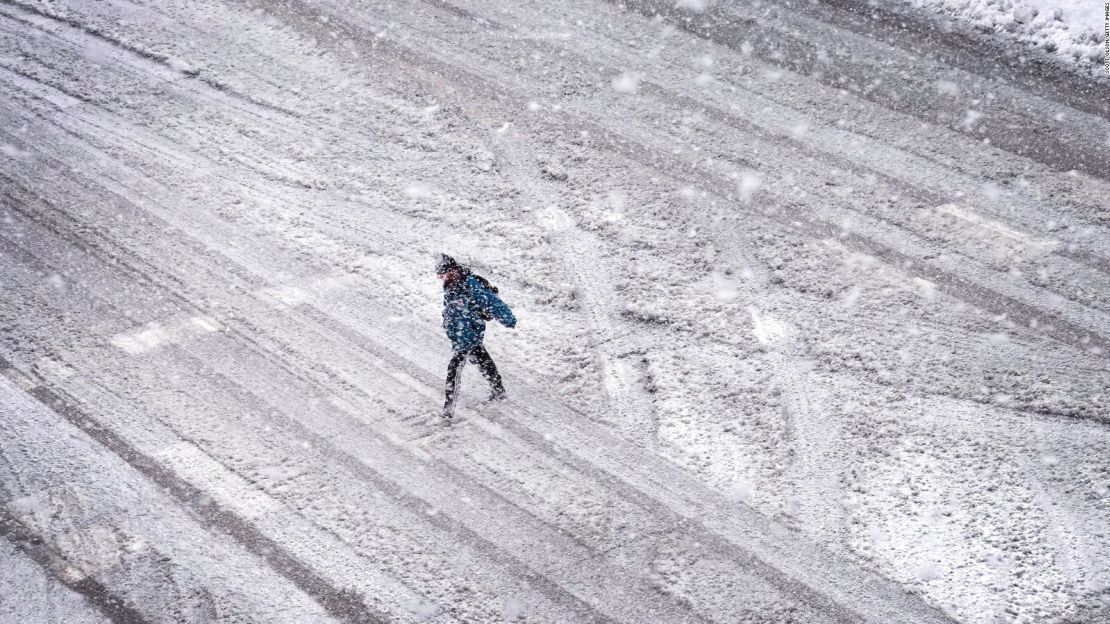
{"type": "Point", "coordinates": [479, 356]}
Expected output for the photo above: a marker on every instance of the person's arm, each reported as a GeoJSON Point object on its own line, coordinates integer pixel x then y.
{"type": "Point", "coordinates": [493, 304]}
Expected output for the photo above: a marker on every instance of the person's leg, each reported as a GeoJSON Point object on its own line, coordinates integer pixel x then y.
{"type": "Point", "coordinates": [481, 357]}
{"type": "Point", "coordinates": [454, 372]}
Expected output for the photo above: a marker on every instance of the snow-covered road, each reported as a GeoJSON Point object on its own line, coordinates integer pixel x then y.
{"type": "Point", "coordinates": [814, 306]}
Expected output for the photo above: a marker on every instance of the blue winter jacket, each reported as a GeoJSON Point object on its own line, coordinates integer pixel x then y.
{"type": "Point", "coordinates": [463, 304]}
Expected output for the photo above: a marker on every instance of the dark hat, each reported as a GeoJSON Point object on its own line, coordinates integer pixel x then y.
{"type": "Point", "coordinates": [445, 263]}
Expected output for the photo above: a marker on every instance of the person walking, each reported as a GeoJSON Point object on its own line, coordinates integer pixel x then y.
{"type": "Point", "coordinates": [469, 301]}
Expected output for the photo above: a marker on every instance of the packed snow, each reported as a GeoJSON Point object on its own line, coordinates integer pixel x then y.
{"type": "Point", "coordinates": [813, 314]}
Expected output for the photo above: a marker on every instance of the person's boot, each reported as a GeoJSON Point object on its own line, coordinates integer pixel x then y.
{"type": "Point", "coordinates": [498, 394]}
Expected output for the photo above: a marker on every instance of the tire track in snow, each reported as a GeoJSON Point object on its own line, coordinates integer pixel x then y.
{"type": "Point", "coordinates": [783, 46]}
{"type": "Point", "coordinates": [960, 286]}
{"type": "Point", "coordinates": [789, 587]}
{"type": "Point", "coordinates": [462, 534]}
{"type": "Point", "coordinates": [586, 608]}
{"type": "Point", "coordinates": [836, 154]}
{"type": "Point", "coordinates": [153, 57]}
{"type": "Point", "coordinates": [834, 160]}
{"type": "Point", "coordinates": [811, 436]}
{"type": "Point", "coordinates": [409, 349]}
{"type": "Point", "coordinates": [794, 589]}
{"type": "Point", "coordinates": [656, 484]}
{"type": "Point", "coordinates": [146, 65]}
{"type": "Point", "coordinates": [331, 324]}
{"type": "Point", "coordinates": [951, 278]}
{"type": "Point", "coordinates": [799, 429]}
{"type": "Point", "coordinates": [541, 443]}
{"type": "Point", "coordinates": [803, 581]}
{"type": "Point", "coordinates": [786, 359]}
{"type": "Point", "coordinates": [809, 150]}
{"type": "Point", "coordinates": [897, 26]}
{"type": "Point", "coordinates": [1079, 341]}
{"type": "Point", "coordinates": [112, 523]}
{"type": "Point", "coordinates": [161, 149]}
{"type": "Point", "coordinates": [376, 479]}
{"type": "Point", "coordinates": [337, 602]}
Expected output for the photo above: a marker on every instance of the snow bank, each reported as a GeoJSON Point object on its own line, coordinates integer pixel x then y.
{"type": "Point", "coordinates": [1069, 30]}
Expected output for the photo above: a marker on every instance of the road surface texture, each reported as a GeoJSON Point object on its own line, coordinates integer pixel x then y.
{"type": "Point", "coordinates": [814, 306]}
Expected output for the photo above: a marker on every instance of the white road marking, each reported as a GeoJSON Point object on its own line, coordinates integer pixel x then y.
{"type": "Point", "coordinates": [156, 335]}
{"type": "Point", "coordinates": [308, 290]}
{"type": "Point", "coordinates": [290, 296]}
{"type": "Point", "coordinates": [228, 488]}
{"type": "Point", "coordinates": [925, 288]}
{"type": "Point", "coordinates": [996, 228]}
{"type": "Point", "coordinates": [766, 328]}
